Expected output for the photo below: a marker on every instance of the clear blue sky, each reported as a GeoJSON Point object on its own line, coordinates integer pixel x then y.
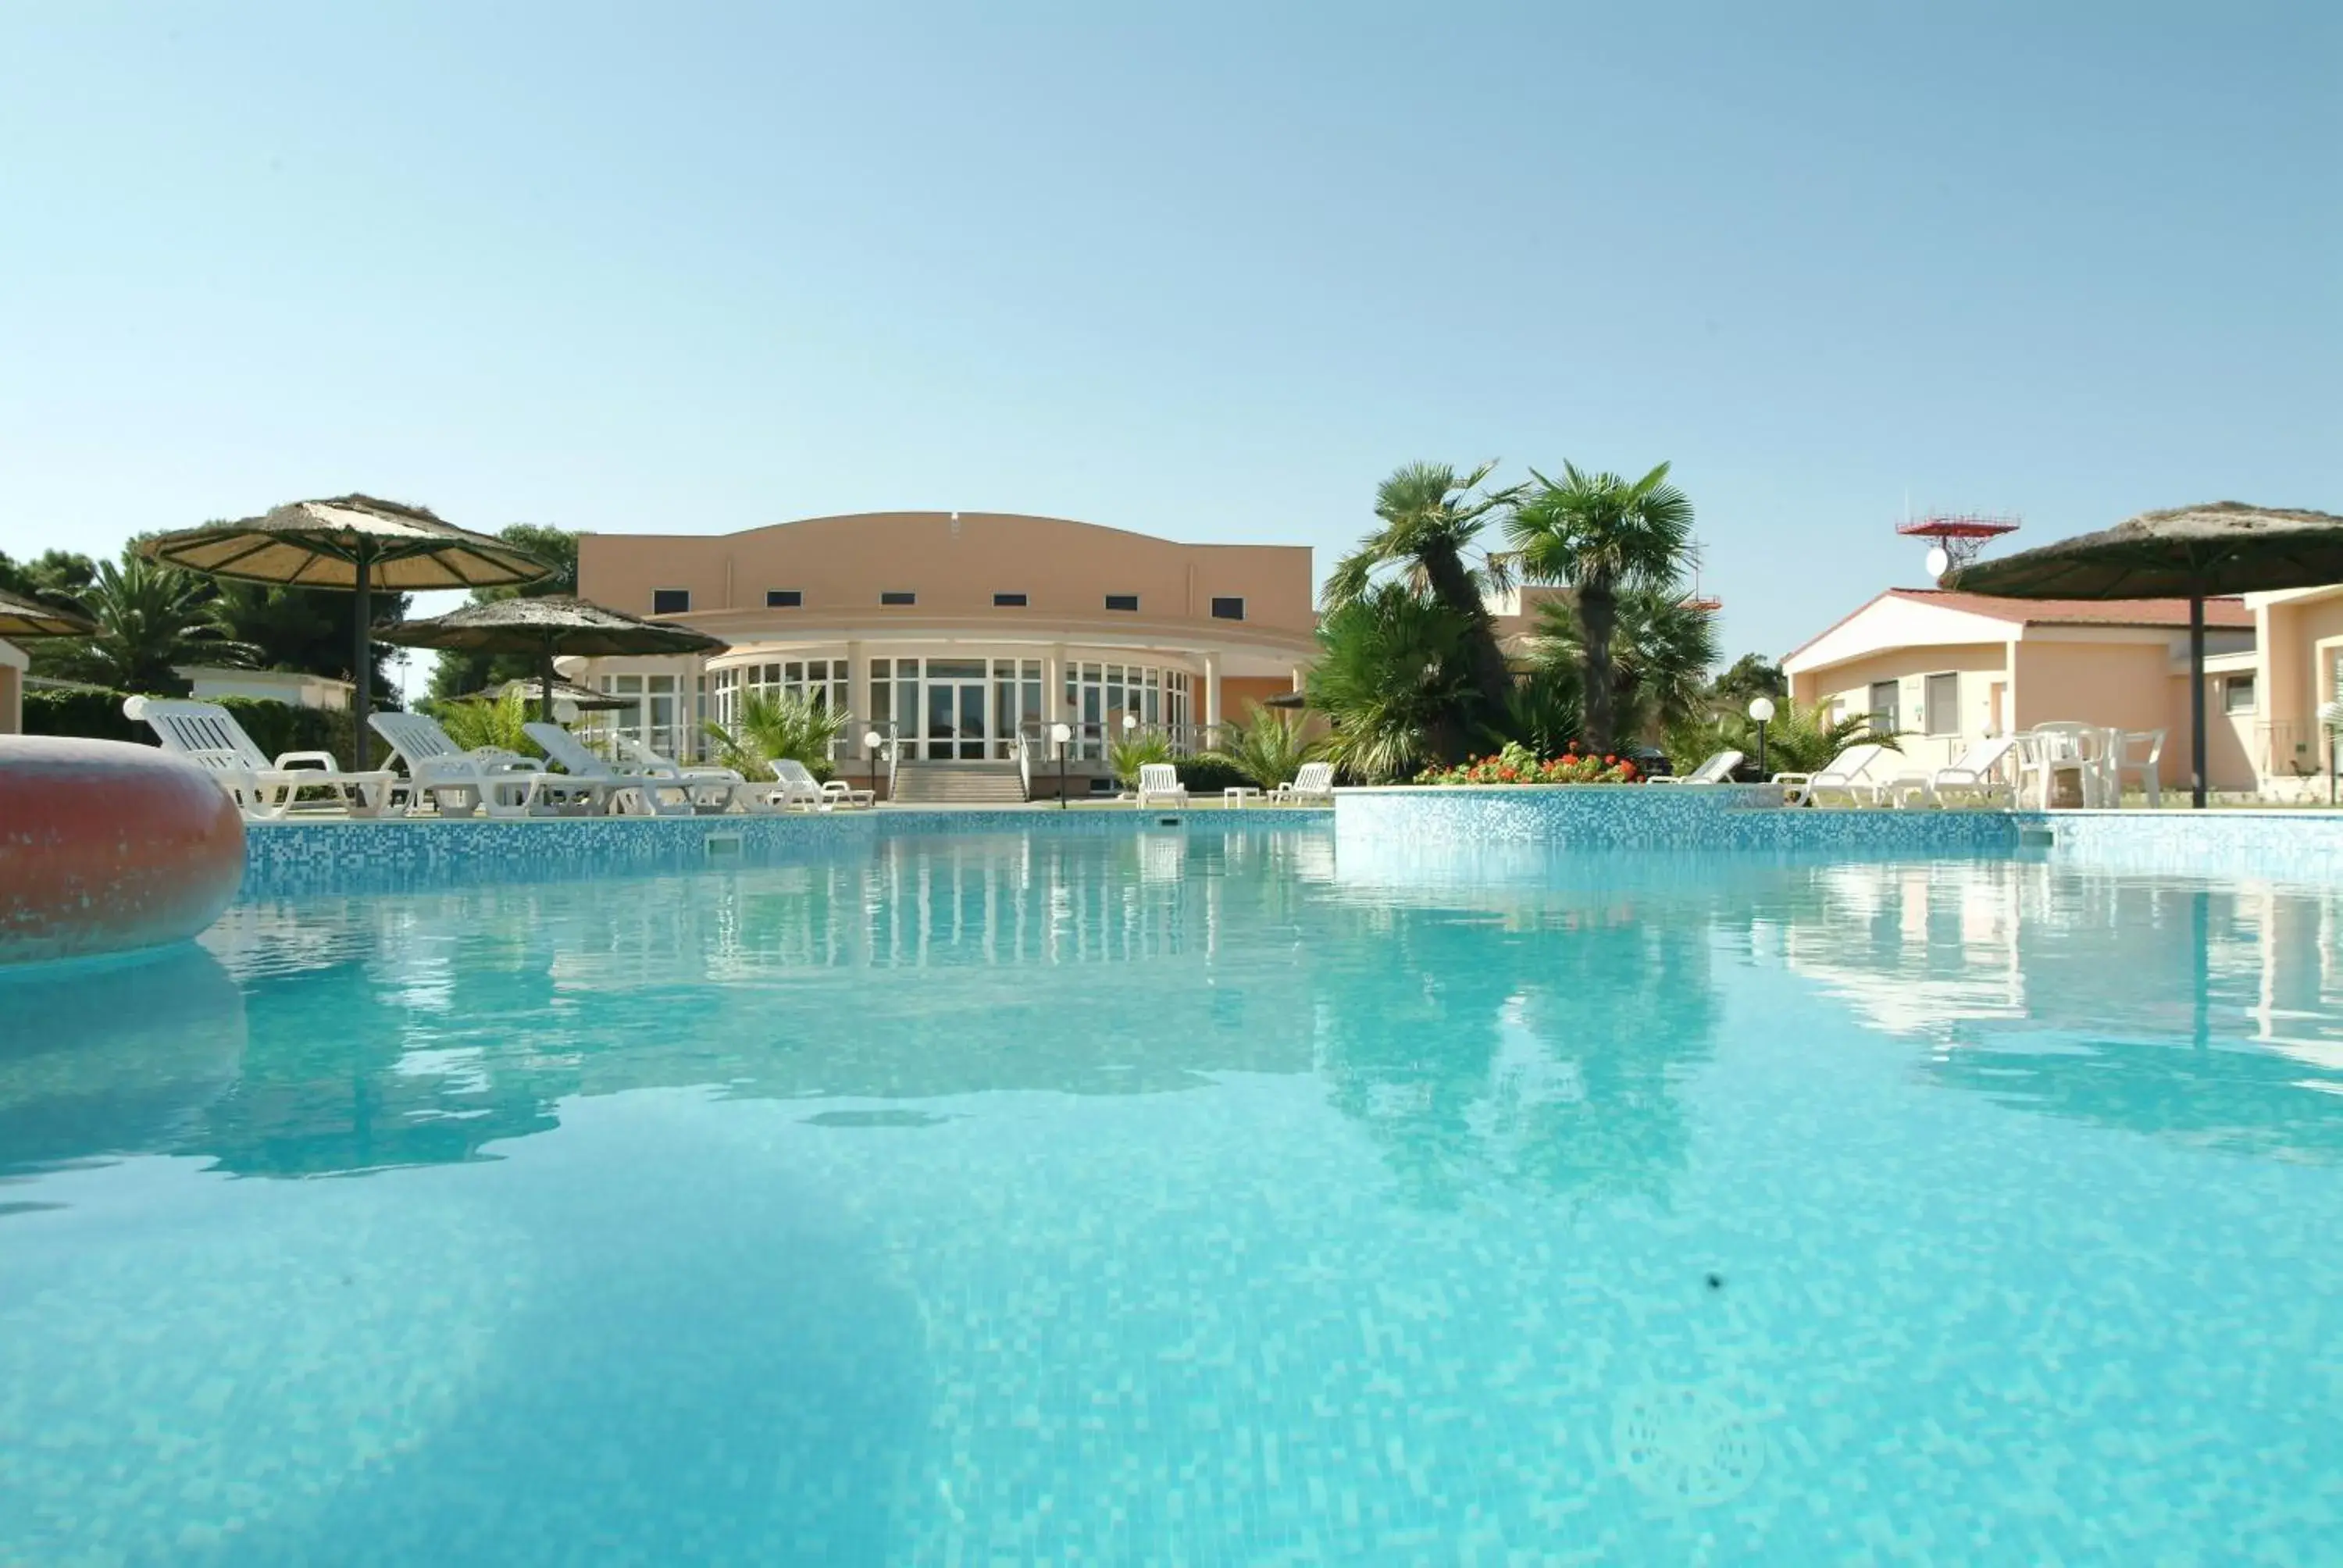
{"type": "Point", "coordinates": [1209, 271]}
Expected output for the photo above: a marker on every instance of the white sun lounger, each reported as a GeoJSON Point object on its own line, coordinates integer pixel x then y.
{"type": "Point", "coordinates": [208, 736]}
{"type": "Point", "coordinates": [1313, 784]}
{"type": "Point", "coordinates": [651, 792]}
{"type": "Point", "coordinates": [502, 783]}
{"type": "Point", "coordinates": [1846, 779]}
{"type": "Point", "coordinates": [1717, 770]}
{"type": "Point", "coordinates": [1979, 775]}
{"type": "Point", "coordinates": [1159, 785]}
{"type": "Point", "coordinates": [713, 789]}
{"type": "Point", "coordinates": [801, 787]}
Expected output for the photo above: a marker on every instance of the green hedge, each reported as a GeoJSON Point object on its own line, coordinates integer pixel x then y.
{"type": "Point", "coordinates": [275, 727]}
{"type": "Point", "coordinates": [95, 714]}
{"type": "Point", "coordinates": [1209, 775]}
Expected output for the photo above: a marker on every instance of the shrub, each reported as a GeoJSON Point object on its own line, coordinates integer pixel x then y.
{"type": "Point", "coordinates": [776, 726]}
{"type": "Point", "coordinates": [1268, 749]}
{"type": "Point", "coordinates": [1518, 764]}
{"type": "Point", "coordinates": [95, 714]}
{"type": "Point", "coordinates": [276, 727]}
{"type": "Point", "coordinates": [472, 722]}
{"type": "Point", "coordinates": [1209, 775]}
{"type": "Point", "coordinates": [1127, 754]}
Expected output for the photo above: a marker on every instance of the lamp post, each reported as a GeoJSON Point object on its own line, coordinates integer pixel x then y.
{"type": "Point", "coordinates": [1060, 733]}
{"type": "Point", "coordinates": [1761, 709]}
{"type": "Point", "coordinates": [872, 739]}
{"type": "Point", "coordinates": [2331, 716]}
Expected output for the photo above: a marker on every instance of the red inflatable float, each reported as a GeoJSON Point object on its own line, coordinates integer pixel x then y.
{"type": "Point", "coordinates": [105, 847]}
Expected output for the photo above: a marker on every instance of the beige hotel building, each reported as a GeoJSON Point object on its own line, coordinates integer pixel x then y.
{"type": "Point", "coordinates": [956, 634]}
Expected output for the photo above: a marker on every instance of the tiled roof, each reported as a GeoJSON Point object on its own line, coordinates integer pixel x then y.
{"type": "Point", "coordinates": [2228, 612]}
{"type": "Point", "coordinates": [2156, 612]}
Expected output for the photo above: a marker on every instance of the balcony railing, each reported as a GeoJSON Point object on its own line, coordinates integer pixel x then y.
{"type": "Point", "coordinates": [2291, 748]}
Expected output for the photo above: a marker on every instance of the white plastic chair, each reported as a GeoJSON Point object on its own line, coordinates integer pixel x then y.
{"type": "Point", "coordinates": [208, 736]}
{"type": "Point", "coordinates": [1846, 777]}
{"type": "Point", "coordinates": [2126, 742]}
{"type": "Point", "coordinates": [613, 785]}
{"type": "Point", "coordinates": [2066, 747]}
{"type": "Point", "coordinates": [1159, 785]}
{"type": "Point", "coordinates": [1313, 783]}
{"type": "Point", "coordinates": [500, 782]}
{"type": "Point", "coordinates": [1978, 776]}
{"type": "Point", "coordinates": [1717, 770]}
{"type": "Point", "coordinates": [798, 780]}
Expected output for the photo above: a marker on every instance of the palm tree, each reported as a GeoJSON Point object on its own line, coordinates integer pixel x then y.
{"type": "Point", "coordinates": [1663, 646]}
{"type": "Point", "coordinates": [1129, 751]}
{"type": "Point", "coordinates": [1269, 748]}
{"type": "Point", "coordinates": [1598, 533]}
{"type": "Point", "coordinates": [1392, 679]}
{"type": "Point", "coordinates": [1432, 521]}
{"type": "Point", "coordinates": [474, 722]}
{"type": "Point", "coordinates": [775, 727]}
{"type": "Point", "coordinates": [1801, 739]}
{"type": "Point", "coordinates": [150, 619]}
{"type": "Point", "coordinates": [1542, 711]}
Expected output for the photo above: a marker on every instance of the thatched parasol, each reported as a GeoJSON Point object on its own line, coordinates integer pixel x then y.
{"type": "Point", "coordinates": [556, 624]}
{"type": "Point", "coordinates": [2189, 552]}
{"type": "Point", "coordinates": [354, 542]}
{"type": "Point", "coordinates": [21, 617]}
{"type": "Point", "coordinates": [584, 697]}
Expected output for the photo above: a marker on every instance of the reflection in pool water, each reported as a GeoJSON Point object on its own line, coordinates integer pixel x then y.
{"type": "Point", "coordinates": [995, 1198]}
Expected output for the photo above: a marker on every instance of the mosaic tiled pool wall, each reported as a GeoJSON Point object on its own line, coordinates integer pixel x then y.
{"type": "Point", "coordinates": [1639, 817]}
{"type": "Point", "coordinates": [292, 858]}
{"type": "Point", "coordinates": [2300, 846]}
{"type": "Point", "coordinates": [910, 821]}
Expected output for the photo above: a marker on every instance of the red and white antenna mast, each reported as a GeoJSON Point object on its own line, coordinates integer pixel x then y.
{"type": "Point", "coordinates": [1958, 536]}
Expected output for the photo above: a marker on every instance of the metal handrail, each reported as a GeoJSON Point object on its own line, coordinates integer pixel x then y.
{"type": "Point", "coordinates": [1093, 741]}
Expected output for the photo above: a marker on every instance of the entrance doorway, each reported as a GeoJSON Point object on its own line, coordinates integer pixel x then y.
{"type": "Point", "coordinates": [956, 727]}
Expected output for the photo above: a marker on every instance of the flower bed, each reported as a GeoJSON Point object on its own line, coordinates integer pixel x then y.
{"type": "Point", "coordinates": [1517, 764]}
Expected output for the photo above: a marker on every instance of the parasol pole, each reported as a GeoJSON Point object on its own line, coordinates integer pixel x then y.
{"type": "Point", "coordinates": [362, 660]}
{"type": "Point", "coordinates": [546, 676]}
{"type": "Point", "coordinates": [2197, 697]}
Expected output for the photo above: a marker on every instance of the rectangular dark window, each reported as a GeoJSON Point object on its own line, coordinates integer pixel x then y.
{"type": "Point", "coordinates": [1227, 610]}
{"type": "Point", "coordinates": [1944, 704]}
{"type": "Point", "coordinates": [2237, 694]}
{"type": "Point", "coordinates": [1885, 720]}
{"type": "Point", "coordinates": [670, 600]}
{"type": "Point", "coordinates": [784, 599]}
{"type": "Point", "coordinates": [1128, 601]}
{"type": "Point", "coordinates": [898, 596]}
{"type": "Point", "coordinates": [1008, 602]}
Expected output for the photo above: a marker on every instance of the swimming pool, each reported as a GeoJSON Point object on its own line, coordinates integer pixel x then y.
{"type": "Point", "coordinates": [1160, 1197]}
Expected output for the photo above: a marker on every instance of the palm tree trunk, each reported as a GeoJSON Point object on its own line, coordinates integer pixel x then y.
{"type": "Point", "coordinates": [1453, 586]}
{"type": "Point", "coordinates": [1598, 613]}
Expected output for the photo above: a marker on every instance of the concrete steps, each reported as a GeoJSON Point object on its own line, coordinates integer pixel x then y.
{"type": "Point", "coordinates": [959, 784]}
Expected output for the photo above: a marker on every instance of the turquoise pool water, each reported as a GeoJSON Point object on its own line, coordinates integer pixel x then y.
{"type": "Point", "coordinates": [1172, 1200]}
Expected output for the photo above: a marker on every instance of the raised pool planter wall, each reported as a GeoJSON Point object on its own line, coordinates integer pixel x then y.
{"type": "Point", "coordinates": [1649, 817]}
{"type": "Point", "coordinates": [2294, 847]}
{"type": "Point", "coordinates": [291, 858]}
